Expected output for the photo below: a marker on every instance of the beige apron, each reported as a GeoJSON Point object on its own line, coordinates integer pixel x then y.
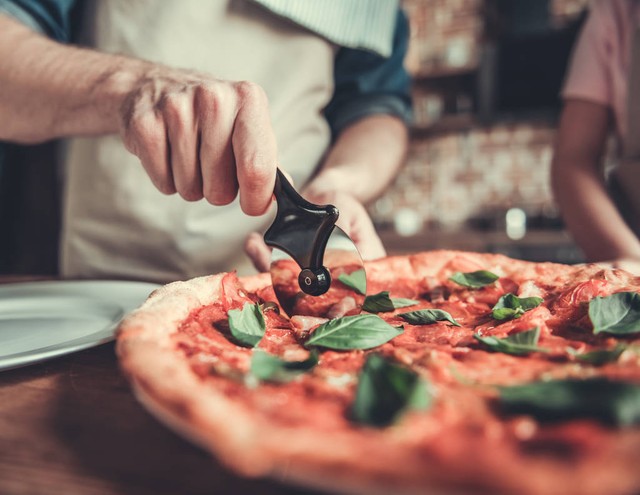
{"type": "Point", "coordinates": [625, 178]}
{"type": "Point", "coordinates": [116, 224]}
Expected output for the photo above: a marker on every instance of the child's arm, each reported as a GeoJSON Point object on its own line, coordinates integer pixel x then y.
{"type": "Point", "coordinates": [578, 183]}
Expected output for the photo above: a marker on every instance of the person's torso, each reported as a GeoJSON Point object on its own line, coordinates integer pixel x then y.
{"type": "Point", "coordinates": [116, 224]}
{"type": "Point", "coordinates": [622, 18]}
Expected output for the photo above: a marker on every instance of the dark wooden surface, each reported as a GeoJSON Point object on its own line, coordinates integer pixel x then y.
{"type": "Point", "coordinates": [72, 426]}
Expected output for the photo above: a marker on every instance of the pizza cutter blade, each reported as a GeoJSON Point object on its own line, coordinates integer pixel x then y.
{"type": "Point", "coordinates": [316, 269]}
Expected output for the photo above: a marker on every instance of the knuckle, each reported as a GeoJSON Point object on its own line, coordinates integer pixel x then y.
{"type": "Point", "coordinates": [143, 126]}
{"type": "Point", "coordinates": [191, 194]}
{"type": "Point", "coordinates": [256, 175]}
{"type": "Point", "coordinates": [175, 106]}
{"type": "Point", "coordinates": [146, 139]}
{"type": "Point", "coordinates": [220, 197]}
{"type": "Point", "coordinates": [166, 188]}
{"type": "Point", "coordinates": [209, 93]}
{"type": "Point", "coordinates": [211, 99]}
{"type": "Point", "coordinates": [251, 92]}
{"type": "Point", "coordinates": [163, 183]}
{"type": "Point", "coordinates": [206, 97]}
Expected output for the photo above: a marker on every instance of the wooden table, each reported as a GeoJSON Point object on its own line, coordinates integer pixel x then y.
{"type": "Point", "coordinates": [72, 426]}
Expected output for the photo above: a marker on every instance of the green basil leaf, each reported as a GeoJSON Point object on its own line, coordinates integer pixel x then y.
{"type": "Point", "coordinates": [268, 367]}
{"type": "Point", "coordinates": [474, 280]}
{"type": "Point", "coordinates": [517, 344]}
{"type": "Point", "coordinates": [381, 303]}
{"type": "Point", "coordinates": [511, 306]}
{"type": "Point", "coordinates": [528, 303]}
{"type": "Point", "coordinates": [427, 317]}
{"type": "Point", "coordinates": [386, 390]}
{"type": "Point", "coordinates": [611, 402]}
{"type": "Point", "coordinates": [507, 313]}
{"type": "Point", "coordinates": [353, 332]}
{"type": "Point", "coordinates": [247, 325]}
{"type": "Point", "coordinates": [618, 314]}
{"type": "Point", "coordinates": [600, 356]}
{"type": "Point", "coordinates": [356, 280]}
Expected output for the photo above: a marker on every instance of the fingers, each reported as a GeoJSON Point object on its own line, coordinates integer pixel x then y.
{"type": "Point", "coordinates": [146, 137]}
{"type": "Point", "coordinates": [255, 150]}
{"type": "Point", "coordinates": [356, 223]}
{"type": "Point", "coordinates": [202, 137]}
{"type": "Point", "coordinates": [182, 132]}
{"type": "Point", "coordinates": [217, 163]}
{"type": "Point", "coordinates": [258, 252]}
{"type": "Point", "coordinates": [361, 230]}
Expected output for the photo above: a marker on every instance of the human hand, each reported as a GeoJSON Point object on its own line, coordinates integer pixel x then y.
{"type": "Point", "coordinates": [354, 220]}
{"type": "Point", "coordinates": [202, 137]}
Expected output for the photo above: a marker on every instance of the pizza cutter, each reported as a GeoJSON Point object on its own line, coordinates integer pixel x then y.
{"type": "Point", "coordinates": [313, 261]}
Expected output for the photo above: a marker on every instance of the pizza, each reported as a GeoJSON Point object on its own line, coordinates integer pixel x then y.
{"type": "Point", "coordinates": [465, 373]}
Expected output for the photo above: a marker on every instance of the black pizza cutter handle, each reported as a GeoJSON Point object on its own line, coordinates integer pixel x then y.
{"type": "Point", "coordinates": [301, 229]}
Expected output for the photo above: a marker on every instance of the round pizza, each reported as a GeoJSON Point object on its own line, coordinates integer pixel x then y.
{"type": "Point", "coordinates": [464, 373]}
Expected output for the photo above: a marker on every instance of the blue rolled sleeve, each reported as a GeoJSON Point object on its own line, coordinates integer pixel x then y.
{"type": "Point", "coordinates": [49, 17]}
{"type": "Point", "coordinates": [367, 83]}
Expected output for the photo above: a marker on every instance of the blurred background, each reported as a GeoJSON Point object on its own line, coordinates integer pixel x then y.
{"type": "Point", "coordinates": [486, 81]}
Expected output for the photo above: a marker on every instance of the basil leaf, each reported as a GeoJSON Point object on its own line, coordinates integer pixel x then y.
{"type": "Point", "coordinates": [385, 390]}
{"type": "Point", "coordinates": [247, 325]}
{"type": "Point", "coordinates": [353, 332]}
{"type": "Point", "coordinates": [381, 303]}
{"type": "Point", "coordinates": [427, 317]}
{"type": "Point", "coordinates": [517, 344]}
{"type": "Point", "coordinates": [474, 280]}
{"type": "Point", "coordinates": [600, 356]}
{"type": "Point", "coordinates": [618, 314]}
{"type": "Point", "coordinates": [268, 367]}
{"type": "Point", "coordinates": [611, 402]}
{"type": "Point", "coordinates": [511, 306]}
{"type": "Point", "coordinates": [356, 280]}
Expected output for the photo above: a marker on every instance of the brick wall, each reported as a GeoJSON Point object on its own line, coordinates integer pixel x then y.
{"type": "Point", "coordinates": [452, 178]}
{"type": "Point", "coordinates": [477, 172]}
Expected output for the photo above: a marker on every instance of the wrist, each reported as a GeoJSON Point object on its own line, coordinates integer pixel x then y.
{"type": "Point", "coordinates": [97, 100]}
{"type": "Point", "coordinates": [120, 86]}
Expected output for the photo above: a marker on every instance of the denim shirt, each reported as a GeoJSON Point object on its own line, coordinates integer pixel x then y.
{"type": "Point", "coordinates": [366, 82]}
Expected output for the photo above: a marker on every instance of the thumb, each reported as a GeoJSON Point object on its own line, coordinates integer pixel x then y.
{"type": "Point", "coordinates": [258, 252]}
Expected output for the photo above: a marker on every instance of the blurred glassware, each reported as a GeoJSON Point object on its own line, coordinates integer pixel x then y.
{"type": "Point", "coordinates": [515, 223]}
{"type": "Point", "coordinates": [407, 222]}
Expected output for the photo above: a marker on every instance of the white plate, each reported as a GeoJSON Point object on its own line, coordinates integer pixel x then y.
{"type": "Point", "coordinates": [41, 320]}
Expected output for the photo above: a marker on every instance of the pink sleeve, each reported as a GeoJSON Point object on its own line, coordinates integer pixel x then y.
{"type": "Point", "coordinates": [589, 76]}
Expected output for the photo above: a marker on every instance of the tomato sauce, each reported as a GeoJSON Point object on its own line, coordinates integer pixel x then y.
{"type": "Point", "coordinates": [463, 373]}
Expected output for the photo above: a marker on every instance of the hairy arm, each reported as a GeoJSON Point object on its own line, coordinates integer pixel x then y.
{"type": "Point", "coordinates": [194, 134]}
{"type": "Point", "coordinates": [368, 115]}
{"type": "Point", "coordinates": [364, 159]}
{"type": "Point", "coordinates": [51, 90]}
{"type": "Point", "coordinates": [579, 188]}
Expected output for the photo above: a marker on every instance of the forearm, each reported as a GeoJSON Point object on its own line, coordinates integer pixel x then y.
{"type": "Point", "coordinates": [590, 215]}
{"type": "Point", "coordinates": [194, 134]}
{"type": "Point", "coordinates": [364, 159]}
{"type": "Point", "coordinates": [49, 90]}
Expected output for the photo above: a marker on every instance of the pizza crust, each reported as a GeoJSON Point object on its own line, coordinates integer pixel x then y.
{"type": "Point", "coordinates": [354, 461]}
